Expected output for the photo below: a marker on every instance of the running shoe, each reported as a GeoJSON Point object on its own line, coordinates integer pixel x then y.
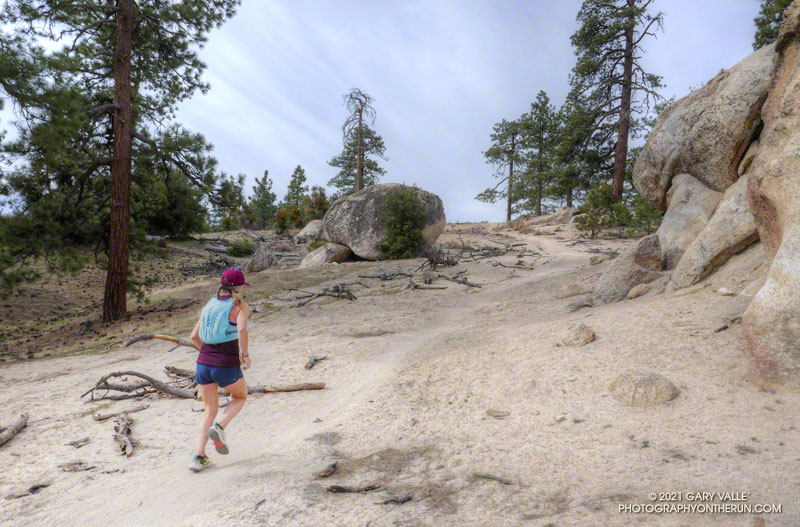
{"type": "Point", "coordinates": [199, 463]}
{"type": "Point", "coordinates": [217, 435]}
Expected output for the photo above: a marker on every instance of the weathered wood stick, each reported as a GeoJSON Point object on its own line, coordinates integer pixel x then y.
{"type": "Point", "coordinates": [103, 417]}
{"type": "Point", "coordinates": [79, 442]}
{"type": "Point", "coordinates": [313, 361]}
{"type": "Point", "coordinates": [122, 436]}
{"type": "Point", "coordinates": [502, 480]}
{"type": "Point", "coordinates": [341, 489]}
{"type": "Point", "coordinates": [251, 390]}
{"type": "Point", "coordinates": [329, 471]}
{"type": "Point", "coordinates": [14, 429]}
{"type": "Point", "coordinates": [174, 371]}
{"type": "Point", "coordinates": [398, 500]}
{"type": "Point", "coordinates": [103, 384]}
{"type": "Point", "coordinates": [155, 336]}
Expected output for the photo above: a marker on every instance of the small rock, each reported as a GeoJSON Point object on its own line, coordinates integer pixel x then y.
{"type": "Point", "coordinates": [561, 418]}
{"type": "Point", "coordinates": [497, 414]}
{"type": "Point", "coordinates": [578, 334]}
{"type": "Point", "coordinates": [637, 291]}
{"type": "Point", "coordinates": [580, 302]}
{"type": "Point", "coordinates": [598, 259]}
{"type": "Point", "coordinates": [640, 388]}
{"type": "Point", "coordinates": [724, 291]}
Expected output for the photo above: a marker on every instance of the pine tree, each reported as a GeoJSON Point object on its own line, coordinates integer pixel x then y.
{"type": "Point", "coordinates": [262, 206]}
{"type": "Point", "coordinates": [609, 71]}
{"type": "Point", "coordinates": [768, 22]}
{"type": "Point", "coordinates": [124, 67]}
{"type": "Point", "coordinates": [359, 104]}
{"type": "Point", "coordinates": [345, 181]}
{"type": "Point", "coordinates": [539, 130]}
{"type": "Point", "coordinates": [506, 151]}
{"type": "Point", "coordinates": [297, 190]}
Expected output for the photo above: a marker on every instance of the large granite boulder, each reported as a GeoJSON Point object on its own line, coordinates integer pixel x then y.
{"type": "Point", "coordinates": [639, 265]}
{"type": "Point", "coordinates": [328, 253]}
{"type": "Point", "coordinates": [771, 324]}
{"type": "Point", "coordinates": [357, 220]}
{"type": "Point", "coordinates": [690, 205]}
{"type": "Point", "coordinates": [312, 230]}
{"type": "Point", "coordinates": [730, 230]}
{"type": "Point", "coordinates": [707, 132]}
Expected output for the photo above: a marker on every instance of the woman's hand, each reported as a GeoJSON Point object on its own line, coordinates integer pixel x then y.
{"type": "Point", "coordinates": [245, 362]}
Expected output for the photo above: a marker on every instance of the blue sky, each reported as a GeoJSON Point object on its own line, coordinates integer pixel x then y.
{"type": "Point", "coordinates": [442, 72]}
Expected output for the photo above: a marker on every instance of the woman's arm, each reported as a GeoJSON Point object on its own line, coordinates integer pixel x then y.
{"type": "Point", "coordinates": [196, 335]}
{"type": "Point", "coordinates": [241, 325]}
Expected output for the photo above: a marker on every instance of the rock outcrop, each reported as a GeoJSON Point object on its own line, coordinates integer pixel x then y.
{"type": "Point", "coordinates": [312, 230]}
{"type": "Point", "coordinates": [690, 205]}
{"type": "Point", "coordinates": [731, 229]}
{"type": "Point", "coordinates": [328, 253]}
{"type": "Point", "coordinates": [639, 265]}
{"type": "Point", "coordinates": [771, 324]}
{"type": "Point", "coordinates": [641, 388]}
{"type": "Point", "coordinates": [707, 132]}
{"type": "Point", "coordinates": [357, 220]}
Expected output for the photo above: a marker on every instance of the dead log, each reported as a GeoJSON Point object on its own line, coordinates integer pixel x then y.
{"type": "Point", "coordinates": [103, 417]}
{"type": "Point", "coordinates": [281, 389]}
{"type": "Point", "coordinates": [313, 361]}
{"type": "Point", "coordinates": [14, 429]}
{"type": "Point", "coordinates": [154, 336]}
{"type": "Point", "coordinates": [123, 434]}
{"type": "Point", "coordinates": [216, 249]}
{"type": "Point", "coordinates": [342, 489]}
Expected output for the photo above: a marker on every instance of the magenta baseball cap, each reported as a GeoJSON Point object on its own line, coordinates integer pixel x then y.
{"type": "Point", "coordinates": [233, 277]}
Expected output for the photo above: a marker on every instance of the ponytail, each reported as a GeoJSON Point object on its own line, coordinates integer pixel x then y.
{"type": "Point", "coordinates": [232, 291]}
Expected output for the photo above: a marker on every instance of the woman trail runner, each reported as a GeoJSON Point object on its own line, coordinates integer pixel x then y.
{"type": "Point", "coordinates": [219, 334]}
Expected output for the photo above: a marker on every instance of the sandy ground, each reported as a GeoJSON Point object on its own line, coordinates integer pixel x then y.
{"type": "Point", "coordinates": [410, 376]}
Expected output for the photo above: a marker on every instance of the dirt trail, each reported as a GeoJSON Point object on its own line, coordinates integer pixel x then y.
{"type": "Point", "coordinates": [410, 378]}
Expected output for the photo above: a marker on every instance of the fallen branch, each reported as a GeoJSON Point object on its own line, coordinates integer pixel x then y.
{"type": "Point", "coordinates": [179, 373]}
{"type": "Point", "coordinates": [329, 471]}
{"type": "Point", "coordinates": [153, 336]}
{"type": "Point", "coordinates": [216, 249]}
{"type": "Point", "coordinates": [123, 433]}
{"type": "Point", "coordinates": [136, 390]}
{"type": "Point", "coordinates": [33, 489]}
{"type": "Point", "coordinates": [385, 275]}
{"type": "Point", "coordinates": [340, 489]}
{"type": "Point", "coordinates": [502, 480]}
{"type": "Point", "coordinates": [75, 466]}
{"type": "Point", "coordinates": [313, 361]}
{"type": "Point", "coordinates": [398, 500]}
{"type": "Point", "coordinates": [14, 429]}
{"type": "Point", "coordinates": [282, 389]}
{"type": "Point", "coordinates": [103, 417]}
{"type": "Point", "coordinates": [460, 278]}
{"type": "Point", "coordinates": [335, 291]}
{"type": "Point", "coordinates": [79, 442]}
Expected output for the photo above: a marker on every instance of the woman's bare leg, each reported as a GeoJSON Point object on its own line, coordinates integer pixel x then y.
{"type": "Point", "coordinates": [238, 391]}
{"type": "Point", "coordinates": [211, 402]}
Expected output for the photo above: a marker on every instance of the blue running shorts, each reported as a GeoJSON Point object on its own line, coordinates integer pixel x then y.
{"type": "Point", "coordinates": [215, 374]}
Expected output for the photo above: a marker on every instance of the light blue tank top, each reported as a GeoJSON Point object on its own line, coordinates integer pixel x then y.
{"type": "Point", "coordinates": [215, 327]}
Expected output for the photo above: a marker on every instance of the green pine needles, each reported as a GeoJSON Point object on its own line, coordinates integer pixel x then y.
{"type": "Point", "coordinates": [404, 220]}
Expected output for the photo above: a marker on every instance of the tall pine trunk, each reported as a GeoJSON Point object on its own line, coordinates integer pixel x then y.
{"type": "Point", "coordinates": [360, 154]}
{"type": "Point", "coordinates": [569, 197]}
{"type": "Point", "coordinates": [114, 301]}
{"type": "Point", "coordinates": [621, 155]}
{"type": "Point", "coordinates": [511, 176]}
